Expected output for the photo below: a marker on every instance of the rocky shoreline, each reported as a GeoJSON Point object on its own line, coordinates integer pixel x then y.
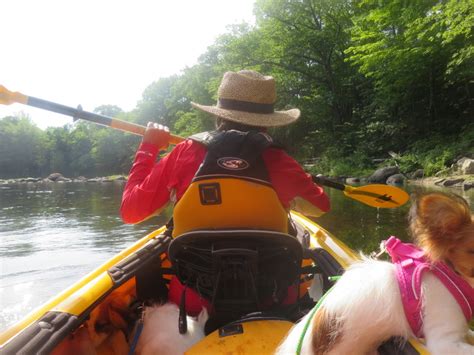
{"type": "Point", "coordinates": [464, 182]}
{"type": "Point", "coordinates": [459, 175]}
{"type": "Point", "coordinates": [59, 178]}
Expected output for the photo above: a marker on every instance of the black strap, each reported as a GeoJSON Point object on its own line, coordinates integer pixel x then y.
{"type": "Point", "coordinates": [245, 106]}
{"type": "Point", "coordinates": [235, 153]}
{"type": "Point", "coordinates": [182, 320]}
{"type": "Point", "coordinates": [205, 138]}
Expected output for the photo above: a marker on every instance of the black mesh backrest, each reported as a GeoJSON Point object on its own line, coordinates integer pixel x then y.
{"type": "Point", "coordinates": [240, 271]}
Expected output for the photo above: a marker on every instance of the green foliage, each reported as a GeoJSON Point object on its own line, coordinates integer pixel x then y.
{"type": "Point", "coordinates": [189, 123]}
{"type": "Point", "coordinates": [369, 76]}
{"type": "Point", "coordinates": [73, 150]}
{"type": "Point", "coordinates": [408, 163]}
{"type": "Point", "coordinates": [417, 54]}
{"type": "Point", "coordinates": [158, 102]}
{"type": "Point", "coordinates": [436, 153]}
{"type": "Point", "coordinates": [440, 152]}
{"type": "Point", "coordinates": [20, 142]}
{"type": "Point", "coordinates": [333, 163]}
{"type": "Point", "coordinates": [108, 110]}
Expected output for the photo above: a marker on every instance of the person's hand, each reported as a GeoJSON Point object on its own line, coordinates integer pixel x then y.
{"type": "Point", "coordinates": [157, 134]}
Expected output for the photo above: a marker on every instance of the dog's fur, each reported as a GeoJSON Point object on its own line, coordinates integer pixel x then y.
{"type": "Point", "coordinates": [365, 308]}
{"type": "Point", "coordinates": [160, 335]}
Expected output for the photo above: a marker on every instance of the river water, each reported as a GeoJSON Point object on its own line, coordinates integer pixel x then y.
{"type": "Point", "coordinates": [51, 234]}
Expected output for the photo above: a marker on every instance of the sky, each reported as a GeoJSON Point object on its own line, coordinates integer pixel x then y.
{"type": "Point", "coordinates": [97, 52]}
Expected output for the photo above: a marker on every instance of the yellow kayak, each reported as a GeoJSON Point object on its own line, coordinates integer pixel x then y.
{"type": "Point", "coordinates": [120, 284]}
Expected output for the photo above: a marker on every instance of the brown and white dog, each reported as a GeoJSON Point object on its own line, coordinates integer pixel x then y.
{"type": "Point", "coordinates": [365, 307]}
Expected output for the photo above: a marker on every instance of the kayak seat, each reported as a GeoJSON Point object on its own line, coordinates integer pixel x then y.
{"type": "Point", "coordinates": [238, 270]}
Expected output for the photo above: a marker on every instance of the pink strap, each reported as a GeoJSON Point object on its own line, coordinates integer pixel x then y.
{"type": "Point", "coordinates": [405, 258]}
{"type": "Point", "coordinates": [459, 288]}
{"type": "Point", "coordinates": [410, 263]}
{"type": "Point", "coordinates": [399, 250]}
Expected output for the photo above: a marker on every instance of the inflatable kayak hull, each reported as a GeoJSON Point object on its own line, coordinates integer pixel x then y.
{"type": "Point", "coordinates": [142, 270]}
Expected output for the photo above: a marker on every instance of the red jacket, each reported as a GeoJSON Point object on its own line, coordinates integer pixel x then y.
{"type": "Point", "coordinates": [151, 186]}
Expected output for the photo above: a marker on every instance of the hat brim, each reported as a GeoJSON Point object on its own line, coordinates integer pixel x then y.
{"type": "Point", "coordinates": [275, 119]}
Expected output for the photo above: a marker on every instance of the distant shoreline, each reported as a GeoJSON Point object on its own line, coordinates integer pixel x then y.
{"type": "Point", "coordinates": [465, 182]}
{"type": "Point", "coordinates": [80, 179]}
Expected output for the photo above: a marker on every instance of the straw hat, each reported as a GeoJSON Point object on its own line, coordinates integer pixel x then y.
{"type": "Point", "coordinates": [248, 97]}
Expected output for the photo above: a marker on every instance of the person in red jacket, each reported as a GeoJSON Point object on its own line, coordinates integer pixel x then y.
{"type": "Point", "coordinates": [245, 103]}
{"type": "Point", "coordinates": [245, 106]}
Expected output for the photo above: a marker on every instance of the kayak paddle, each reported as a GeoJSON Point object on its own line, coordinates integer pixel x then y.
{"type": "Point", "coordinates": [375, 195]}
{"type": "Point", "coordinates": [8, 97]}
{"type": "Point", "coordinates": [383, 196]}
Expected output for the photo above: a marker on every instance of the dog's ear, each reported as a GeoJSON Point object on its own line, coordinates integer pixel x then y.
{"type": "Point", "coordinates": [435, 221]}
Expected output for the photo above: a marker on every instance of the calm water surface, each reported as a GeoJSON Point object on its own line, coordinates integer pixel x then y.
{"type": "Point", "coordinates": [52, 234]}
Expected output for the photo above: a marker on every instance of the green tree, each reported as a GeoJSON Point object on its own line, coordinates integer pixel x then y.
{"type": "Point", "coordinates": [157, 103]}
{"type": "Point", "coordinates": [21, 143]}
{"type": "Point", "coordinates": [108, 110]}
{"type": "Point", "coordinates": [82, 139]}
{"type": "Point", "coordinates": [417, 55]}
{"type": "Point", "coordinates": [302, 44]}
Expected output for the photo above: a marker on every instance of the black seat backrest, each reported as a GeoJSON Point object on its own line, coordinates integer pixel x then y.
{"type": "Point", "coordinates": [239, 271]}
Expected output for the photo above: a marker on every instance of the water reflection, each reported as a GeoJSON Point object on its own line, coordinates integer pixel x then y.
{"type": "Point", "coordinates": [363, 227]}
{"type": "Point", "coordinates": [53, 234]}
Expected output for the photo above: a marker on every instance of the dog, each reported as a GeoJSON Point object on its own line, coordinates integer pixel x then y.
{"type": "Point", "coordinates": [365, 307]}
{"type": "Point", "coordinates": [160, 334]}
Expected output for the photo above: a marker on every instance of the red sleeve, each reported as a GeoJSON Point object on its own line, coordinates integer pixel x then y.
{"type": "Point", "coordinates": [147, 189]}
{"type": "Point", "coordinates": [290, 180]}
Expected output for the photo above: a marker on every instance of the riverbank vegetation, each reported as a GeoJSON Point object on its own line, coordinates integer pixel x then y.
{"type": "Point", "coordinates": [370, 77]}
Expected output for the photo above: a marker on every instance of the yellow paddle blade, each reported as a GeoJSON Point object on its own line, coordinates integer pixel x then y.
{"type": "Point", "coordinates": [7, 97]}
{"type": "Point", "coordinates": [377, 195]}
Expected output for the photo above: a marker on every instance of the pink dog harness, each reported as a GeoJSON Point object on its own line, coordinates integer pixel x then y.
{"type": "Point", "coordinates": [410, 263]}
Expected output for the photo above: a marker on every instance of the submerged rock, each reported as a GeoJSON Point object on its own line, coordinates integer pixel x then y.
{"type": "Point", "coordinates": [453, 182]}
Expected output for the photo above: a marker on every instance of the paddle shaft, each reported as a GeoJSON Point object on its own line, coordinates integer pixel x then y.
{"type": "Point", "coordinates": [320, 180]}
{"type": "Point", "coordinates": [78, 113]}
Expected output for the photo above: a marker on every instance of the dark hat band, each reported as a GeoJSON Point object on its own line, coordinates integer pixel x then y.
{"type": "Point", "coordinates": [229, 104]}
